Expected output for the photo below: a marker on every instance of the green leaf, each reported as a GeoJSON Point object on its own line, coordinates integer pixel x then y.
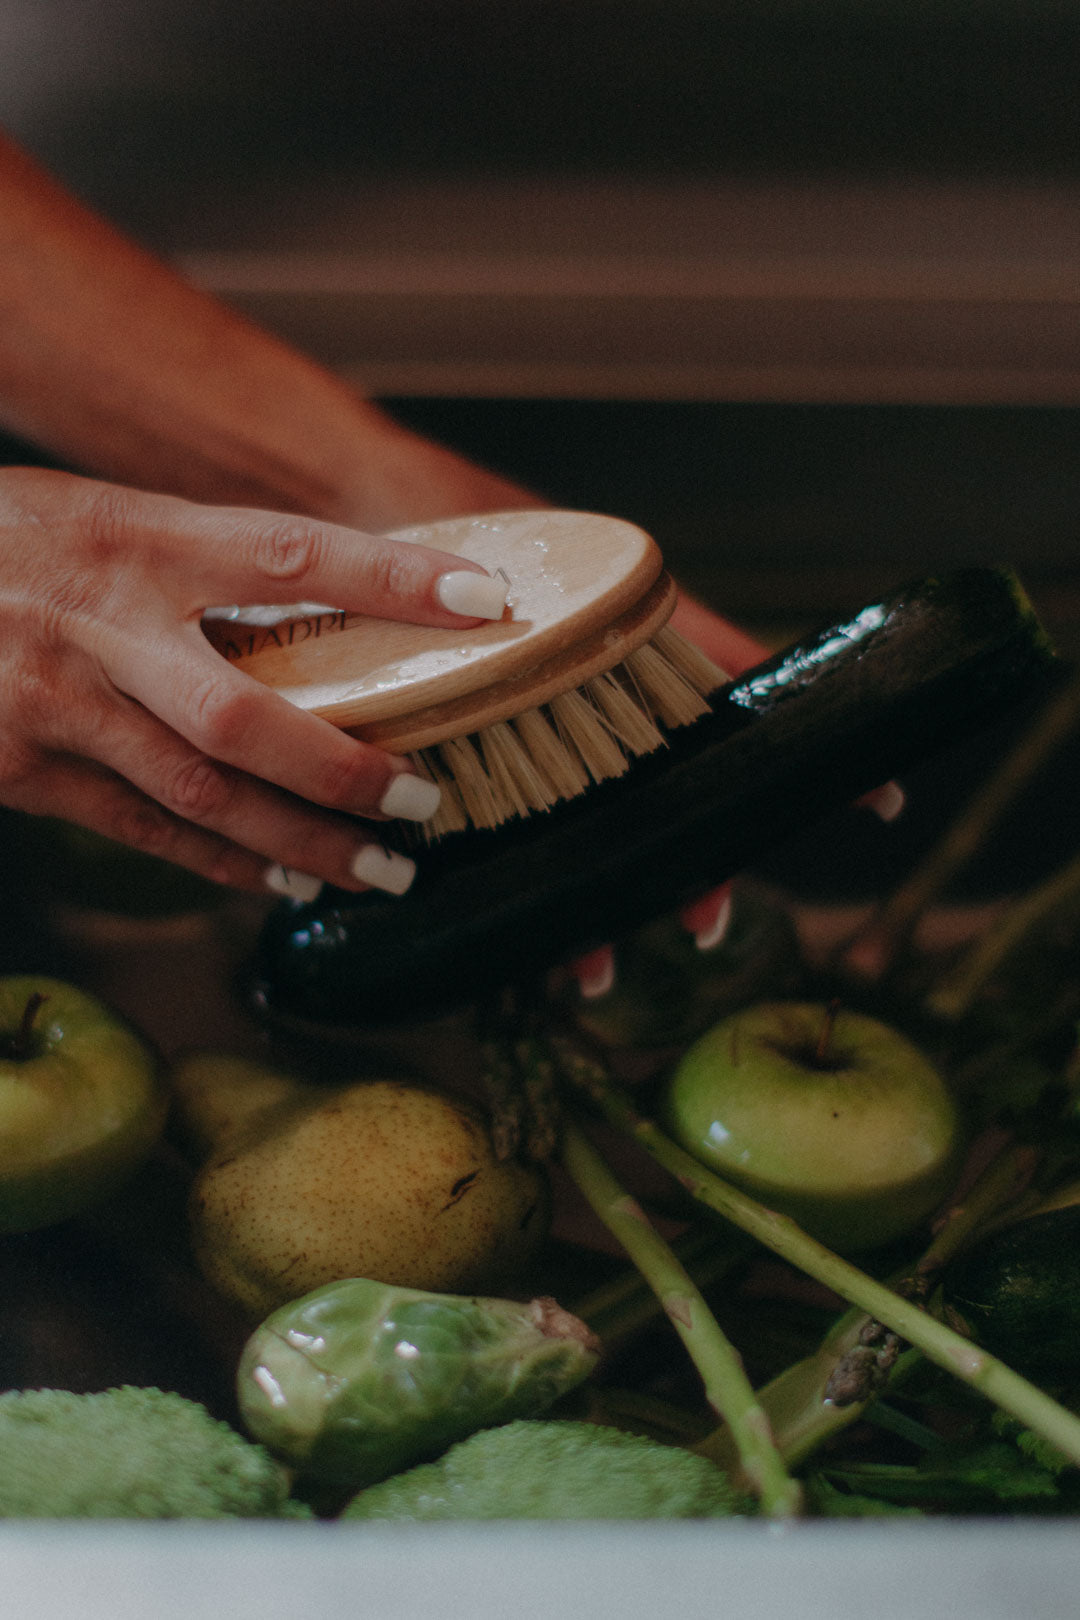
{"type": "Point", "coordinates": [824, 1500]}
{"type": "Point", "coordinates": [1032, 1445]}
{"type": "Point", "coordinates": [997, 1468]}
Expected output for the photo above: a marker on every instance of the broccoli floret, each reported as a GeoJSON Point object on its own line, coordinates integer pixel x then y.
{"type": "Point", "coordinates": [131, 1453]}
{"type": "Point", "coordinates": [535, 1469]}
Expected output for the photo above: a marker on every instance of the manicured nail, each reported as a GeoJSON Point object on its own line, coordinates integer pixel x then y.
{"type": "Point", "coordinates": [383, 868]}
{"type": "Point", "coordinates": [713, 933]}
{"type": "Point", "coordinates": [886, 802]}
{"type": "Point", "coordinates": [294, 885]}
{"type": "Point", "coordinates": [595, 973]}
{"type": "Point", "coordinates": [413, 798]}
{"type": "Point", "coordinates": [476, 595]}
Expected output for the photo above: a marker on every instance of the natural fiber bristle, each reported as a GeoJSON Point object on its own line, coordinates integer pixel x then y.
{"type": "Point", "coordinates": [533, 760]}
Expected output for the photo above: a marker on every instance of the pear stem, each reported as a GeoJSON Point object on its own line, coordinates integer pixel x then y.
{"type": "Point", "coordinates": [727, 1388]}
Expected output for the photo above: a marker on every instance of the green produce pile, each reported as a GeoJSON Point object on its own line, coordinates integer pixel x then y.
{"type": "Point", "coordinates": [548, 1470]}
{"type": "Point", "coordinates": [758, 1232]}
{"type": "Point", "coordinates": [132, 1454]}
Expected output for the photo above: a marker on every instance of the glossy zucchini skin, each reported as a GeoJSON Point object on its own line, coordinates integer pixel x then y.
{"type": "Point", "coordinates": [1018, 1293]}
{"type": "Point", "coordinates": [802, 733]}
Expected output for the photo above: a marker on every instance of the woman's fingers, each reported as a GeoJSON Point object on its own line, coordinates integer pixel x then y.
{"type": "Point", "coordinates": [172, 558]}
{"type": "Point", "coordinates": [886, 801]}
{"type": "Point", "coordinates": [76, 791]}
{"type": "Point", "coordinates": [179, 792]}
{"type": "Point", "coordinates": [73, 790]}
{"type": "Point", "coordinates": [708, 919]}
{"type": "Point", "coordinates": [210, 555]}
{"type": "Point", "coordinates": [106, 589]}
{"type": "Point", "coordinates": [594, 972]}
{"type": "Point", "coordinates": [228, 717]}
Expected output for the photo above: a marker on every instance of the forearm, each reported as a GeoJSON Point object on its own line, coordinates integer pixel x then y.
{"type": "Point", "coordinates": [116, 364]}
{"type": "Point", "coordinates": [112, 361]}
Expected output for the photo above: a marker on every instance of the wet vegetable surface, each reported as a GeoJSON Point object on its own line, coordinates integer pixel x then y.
{"type": "Point", "coordinates": [817, 1386]}
{"type": "Point", "coordinates": [1018, 1292]}
{"type": "Point", "coordinates": [358, 1380]}
{"type": "Point", "coordinates": [803, 732]}
{"type": "Point", "coordinates": [826, 1114]}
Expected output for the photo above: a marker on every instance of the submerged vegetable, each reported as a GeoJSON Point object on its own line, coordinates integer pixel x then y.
{"type": "Point", "coordinates": [828, 1115]}
{"type": "Point", "coordinates": [357, 1380]}
{"type": "Point", "coordinates": [381, 1178]}
{"type": "Point", "coordinates": [1018, 1293]}
{"type": "Point", "coordinates": [555, 1470]}
{"type": "Point", "coordinates": [802, 733]}
{"type": "Point", "coordinates": [81, 1101]}
{"type": "Point", "coordinates": [131, 1453]}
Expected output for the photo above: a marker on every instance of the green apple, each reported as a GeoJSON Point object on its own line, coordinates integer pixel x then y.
{"type": "Point", "coordinates": [831, 1117]}
{"type": "Point", "coordinates": [81, 1101]}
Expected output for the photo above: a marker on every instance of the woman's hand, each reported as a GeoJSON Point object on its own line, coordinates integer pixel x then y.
{"type": "Point", "coordinates": [116, 713]}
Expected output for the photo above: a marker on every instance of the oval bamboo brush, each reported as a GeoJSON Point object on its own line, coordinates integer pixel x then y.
{"type": "Point", "coordinates": [581, 674]}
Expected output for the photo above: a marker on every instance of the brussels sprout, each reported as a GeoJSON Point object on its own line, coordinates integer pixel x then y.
{"type": "Point", "coordinates": [358, 1379]}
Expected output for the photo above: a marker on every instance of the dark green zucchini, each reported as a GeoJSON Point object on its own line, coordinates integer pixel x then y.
{"type": "Point", "coordinates": [804, 732]}
{"type": "Point", "coordinates": [1018, 1294]}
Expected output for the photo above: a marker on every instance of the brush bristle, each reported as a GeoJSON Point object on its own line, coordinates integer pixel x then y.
{"type": "Point", "coordinates": [533, 760]}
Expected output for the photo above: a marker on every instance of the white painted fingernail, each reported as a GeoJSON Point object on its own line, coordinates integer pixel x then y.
{"type": "Point", "coordinates": [598, 984]}
{"type": "Point", "coordinates": [709, 937]}
{"type": "Point", "coordinates": [383, 868]}
{"type": "Point", "coordinates": [294, 885]}
{"type": "Point", "coordinates": [476, 595]}
{"type": "Point", "coordinates": [886, 802]}
{"type": "Point", "coordinates": [596, 976]}
{"type": "Point", "coordinates": [411, 797]}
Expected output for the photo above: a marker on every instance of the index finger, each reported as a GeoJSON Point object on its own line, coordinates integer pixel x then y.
{"type": "Point", "coordinates": [222, 554]}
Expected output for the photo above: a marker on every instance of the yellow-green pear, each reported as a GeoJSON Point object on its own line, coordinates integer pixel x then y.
{"type": "Point", "coordinates": [381, 1178]}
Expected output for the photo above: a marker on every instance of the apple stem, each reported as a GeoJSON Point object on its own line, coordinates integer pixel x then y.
{"type": "Point", "coordinates": [939, 1343]}
{"type": "Point", "coordinates": [20, 1043]}
{"type": "Point", "coordinates": [821, 1051]}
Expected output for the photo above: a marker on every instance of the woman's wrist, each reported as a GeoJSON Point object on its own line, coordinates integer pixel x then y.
{"type": "Point", "coordinates": [397, 478]}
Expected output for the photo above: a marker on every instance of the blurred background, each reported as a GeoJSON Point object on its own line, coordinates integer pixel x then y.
{"type": "Point", "coordinates": [793, 283]}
